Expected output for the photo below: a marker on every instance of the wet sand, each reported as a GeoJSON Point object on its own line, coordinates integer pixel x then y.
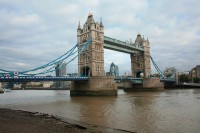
{"type": "Point", "coordinates": [18, 121]}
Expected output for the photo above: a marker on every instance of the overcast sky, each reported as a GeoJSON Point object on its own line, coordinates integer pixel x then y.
{"type": "Point", "coordinates": [34, 32]}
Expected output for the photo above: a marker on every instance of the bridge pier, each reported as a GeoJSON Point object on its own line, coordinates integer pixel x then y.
{"type": "Point", "coordinates": [95, 86]}
{"type": "Point", "coordinates": [149, 84]}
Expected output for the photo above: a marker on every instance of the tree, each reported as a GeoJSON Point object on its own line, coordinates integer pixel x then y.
{"type": "Point", "coordinates": [196, 80]}
{"type": "Point", "coordinates": [184, 78]}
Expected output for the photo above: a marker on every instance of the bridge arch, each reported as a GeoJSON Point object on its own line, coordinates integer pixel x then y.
{"type": "Point", "coordinates": [139, 74]}
{"type": "Point", "coordinates": [85, 71]}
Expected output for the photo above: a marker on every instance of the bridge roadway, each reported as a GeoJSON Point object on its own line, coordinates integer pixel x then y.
{"type": "Point", "coordinates": [167, 80]}
{"type": "Point", "coordinates": [62, 78]}
{"type": "Point", "coordinates": [117, 45]}
{"type": "Point", "coordinates": [41, 78]}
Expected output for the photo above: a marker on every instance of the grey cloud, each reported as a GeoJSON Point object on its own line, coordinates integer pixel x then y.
{"type": "Point", "coordinates": [36, 32]}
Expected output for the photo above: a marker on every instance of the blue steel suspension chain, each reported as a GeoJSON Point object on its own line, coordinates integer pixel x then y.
{"type": "Point", "coordinates": [80, 50]}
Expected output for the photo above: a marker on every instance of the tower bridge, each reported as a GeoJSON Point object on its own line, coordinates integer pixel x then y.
{"type": "Point", "coordinates": [91, 43]}
{"type": "Point", "coordinates": [91, 61]}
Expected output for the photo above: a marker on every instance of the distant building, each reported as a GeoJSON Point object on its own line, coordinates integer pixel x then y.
{"type": "Point", "coordinates": [41, 84]}
{"type": "Point", "coordinates": [17, 86]}
{"type": "Point", "coordinates": [4, 85]}
{"type": "Point", "coordinates": [60, 70]}
{"type": "Point", "coordinates": [107, 73]}
{"type": "Point", "coordinates": [185, 73]}
{"type": "Point", "coordinates": [169, 71]}
{"type": "Point", "coordinates": [47, 84]}
{"type": "Point", "coordinates": [195, 72]}
{"type": "Point", "coordinates": [72, 74]}
{"type": "Point", "coordinates": [114, 70]}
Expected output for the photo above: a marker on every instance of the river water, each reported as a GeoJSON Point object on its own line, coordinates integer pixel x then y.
{"type": "Point", "coordinates": [169, 111]}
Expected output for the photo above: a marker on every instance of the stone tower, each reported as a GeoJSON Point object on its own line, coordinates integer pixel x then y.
{"type": "Point", "coordinates": [91, 61]}
{"type": "Point", "coordinates": [140, 61]}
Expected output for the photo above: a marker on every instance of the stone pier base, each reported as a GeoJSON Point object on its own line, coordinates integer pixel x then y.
{"type": "Point", "coordinates": [95, 86]}
{"type": "Point", "coordinates": [153, 83]}
{"type": "Point", "coordinates": [149, 84]}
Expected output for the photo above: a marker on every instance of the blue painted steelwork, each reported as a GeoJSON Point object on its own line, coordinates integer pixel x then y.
{"type": "Point", "coordinates": [157, 68]}
{"type": "Point", "coordinates": [167, 80]}
{"type": "Point", "coordinates": [52, 62]}
{"type": "Point", "coordinates": [163, 78]}
{"type": "Point", "coordinates": [45, 68]}
{"type": "Point", "coordinates": [134, 80]}
{"type": "Point", "coordinates": [41, 78]}
{"type": "Point", "coordinates": [117, 45]}
{"type": "Point", "coordinates": [62, 78]}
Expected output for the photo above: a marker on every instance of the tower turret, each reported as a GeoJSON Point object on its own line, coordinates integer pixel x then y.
{"type": "Point", "coordinates": [148, 40]}
{"type": "Point", "coordinates": [91, 61]}
{"type": "Point", "coordinates": [140, 61]}
{"type": "Point", "coordinates": [101, 23]}
{"type": "Point", "coordinates": [79, 33]}
{"type": "Point", "coordinates": [139, 39]}
{"type": "Point", "coordinates": [79, 26]}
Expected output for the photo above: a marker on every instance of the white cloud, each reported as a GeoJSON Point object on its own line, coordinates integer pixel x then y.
{"type": "Point", "coordinates": [43, 30]}
{"type": "Point", "coordinates": [20, 64]}
{"type": "Point", "coordinates": [25, 20]}
{"type": "Point", "coordinates": [68, 9]}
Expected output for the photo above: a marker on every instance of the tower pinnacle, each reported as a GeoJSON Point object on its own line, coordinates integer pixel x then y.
{"type": "Point", "coordinates": [90, 19]}
{"type": "Point", "coordinates": [101, 24]}
{"type": "Point", "coordinates": [79, 26]}
{"type": "Point", "coordinates": [148, 40]}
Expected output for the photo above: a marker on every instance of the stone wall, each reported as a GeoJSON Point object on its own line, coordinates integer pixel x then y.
{"type": "Point", "coordinates": [95, 86]}
{"type": "Point", "coordinates": [149, 84]}
{"type": "Point", "coordinates": [153, 83]}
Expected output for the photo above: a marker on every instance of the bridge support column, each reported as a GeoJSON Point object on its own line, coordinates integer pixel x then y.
{"type": "Point", "coordinates": [140, 60]}
{"type": "Point", "coordinates": [149, 84]}
{"type": "Point", "coordinates": [95, 86]}
{"type": "Point", "coordinates": [152, 84]}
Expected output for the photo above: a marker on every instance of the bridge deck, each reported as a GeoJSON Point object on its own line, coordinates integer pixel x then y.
{"type": "Point", "coordinates": [53, 78]}
{"type": "Point", "coordinates": [117, 45]}
{"type": "Point", "coordinates": [41, 78]}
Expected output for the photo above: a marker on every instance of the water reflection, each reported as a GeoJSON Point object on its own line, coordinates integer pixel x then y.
{"type": "Point", "coordinates": [94, 109]}
{"type": "Point", "coordinates": [165, 111]}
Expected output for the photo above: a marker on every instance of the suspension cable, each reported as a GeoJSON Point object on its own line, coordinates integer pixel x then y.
{"type": "Point", "coordinates": [80, 50]}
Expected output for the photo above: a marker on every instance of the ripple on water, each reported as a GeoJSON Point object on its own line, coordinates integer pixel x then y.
{"type": "Point", "coordinates": [163, 111]}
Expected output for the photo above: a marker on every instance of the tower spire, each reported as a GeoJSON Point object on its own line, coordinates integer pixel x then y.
{"type": "Point", "coordinates": [79, 26]}
{"type": "Point", "coordinates": [101, 24]}
{"type": "Point", "coordinates": [148, 40]}
{"type": "Point", "coordinates": [90, 19]}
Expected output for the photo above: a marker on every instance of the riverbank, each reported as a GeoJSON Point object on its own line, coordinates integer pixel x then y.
{"type": "Point", "coordinates": [12, 121]}
{"type": "Point", "coordinates": [182, 87]}
{"type": "Point", "coordinates": [40, 89]}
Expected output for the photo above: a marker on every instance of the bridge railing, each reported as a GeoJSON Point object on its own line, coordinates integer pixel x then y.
{"type": "Point", "coordinates": [133, 80]}
{"type": "Point", "coordinates": [122, 42]}
{"type": "Point", "coordinates": [123, 45]}
{"type": "Point", "coordinates": [114, 40]}
{"type": "Point", "coordinates": [40, 78]}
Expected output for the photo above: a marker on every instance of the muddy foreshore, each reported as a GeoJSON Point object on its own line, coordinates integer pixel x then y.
{"type": "Point", "coordinates": [18, 121]}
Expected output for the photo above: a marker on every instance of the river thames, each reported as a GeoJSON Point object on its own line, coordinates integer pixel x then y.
{"type": "Point", "coordinates": [176, 111]}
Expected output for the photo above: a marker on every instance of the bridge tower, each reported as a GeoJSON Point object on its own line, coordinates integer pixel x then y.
{"type": "Point", "coordinates": [140, 61]}
{"type": "Point", "coordinates": [91, 61]}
